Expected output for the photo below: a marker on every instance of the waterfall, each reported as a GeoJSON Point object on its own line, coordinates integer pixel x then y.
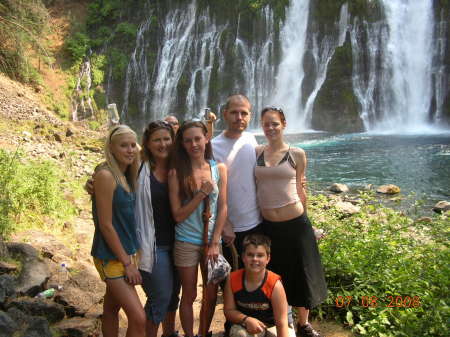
{"type": "Point", "coordinates": [441, 81]}
{"type": "Point", "coordinates": [138, 74]}
{"type": "Point", "coordinates": [203, 53]}
{"type": "Point", "coordinates": [393, 82]}
{"type": "Point", "coordinates": [193, 56]}
{"type": "Point", "coordinates": [291, 72]}
{"type": "Point", "coordinates": [288, 82]}
{"type": "Point", "coordinates": [322, 56]}
{"type": "Point", "coordinates": [364, 73]}
{"type": "Point", "coordinates": [172, 57]}
{"type": "Point", "coordinates": [257, 64]}
{"type": "Point", "coordinates": [81, 99]}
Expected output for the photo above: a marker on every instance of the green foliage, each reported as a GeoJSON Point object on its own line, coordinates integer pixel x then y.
{"type": "Point", "coordinates": [377, 259]}
{"type": "Point", "coordinates": [23, 24]}
{"type": "Point", "coordinates": [94, 125]}
{"type": "Point", "coordinates": [120, 62]}
{"type": "Point", "coordinates": [77, 46]}
{"type": "Point", "coordinates": [28, 192]}
{"type": "Point", "coordinates": [98, 63]}
{"type": "Point", "coordinates": [127, 29]}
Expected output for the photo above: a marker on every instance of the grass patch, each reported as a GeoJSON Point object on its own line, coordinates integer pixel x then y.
{"type": "Point", "coordinates": [30, 194]}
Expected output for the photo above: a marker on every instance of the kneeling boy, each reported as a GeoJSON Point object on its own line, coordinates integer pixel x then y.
{"type": "Point", "coordinates": [254, 297]}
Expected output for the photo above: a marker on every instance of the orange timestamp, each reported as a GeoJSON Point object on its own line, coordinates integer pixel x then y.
{"type": "Point", "coordinates": [374, 301]}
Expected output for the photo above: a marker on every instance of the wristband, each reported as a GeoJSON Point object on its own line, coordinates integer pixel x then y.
{"type": "Point", "coordinates": [127, 264]}
{"type": "Point", "coordinates": [243, 321]}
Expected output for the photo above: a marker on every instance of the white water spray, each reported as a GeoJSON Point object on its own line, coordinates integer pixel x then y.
{"type": "Point", "coordinates": [288, 83]}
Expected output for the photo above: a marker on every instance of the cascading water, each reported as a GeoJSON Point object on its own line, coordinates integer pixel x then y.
{"type": "Point", "coordinates": [322, 56]}
{"type": "Point", "coordinates": [396, 94]}
{"type": "Point", "coordinates": [203, 53]}
{"type": "Point", "coordinates": [288, 83]}
{"type": "Point", "coordinates": [173, 57]}
{"type": "Point", "coordinates": [257, 64]}
{"type": "Point", "coordinates": [137, 73]}
{"type": "Point", "coordinates": [201, 57]}
{"type": "Point", "coordinates": [82, 107]}
{"type": "Point", "coordinates": [288, 86]}
{"type": "Point", "coordinates": [441, 81]}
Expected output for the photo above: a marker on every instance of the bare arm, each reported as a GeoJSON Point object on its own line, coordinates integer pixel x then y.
{"type": "Point", "coordinates": [105, 185]}
{"type": "Point", "coordinates": [280, 305]}
{"type": "Point", "coordinates": [181, 212]}
{"type": "Point", "coordinates": [228, 234]}
{"type": "Point", "coordinates": [300, 161]}
{"type": "Point", "coordinates": [213, 250]}
{"type": "Point", "coordinates": [221, 204]}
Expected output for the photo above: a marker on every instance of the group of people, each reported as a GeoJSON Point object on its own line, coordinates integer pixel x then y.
{"type": "Point", "coordinates": [150, 228]}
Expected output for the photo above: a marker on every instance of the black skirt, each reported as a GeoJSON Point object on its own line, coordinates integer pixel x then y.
{"type": "Point", "coordinates": [296, 258]}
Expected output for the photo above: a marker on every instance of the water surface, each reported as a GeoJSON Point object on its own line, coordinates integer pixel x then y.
{"type": "Point", "coordinates": [418, 164]}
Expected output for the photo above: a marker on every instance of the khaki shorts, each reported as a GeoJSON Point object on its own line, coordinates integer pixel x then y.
{"type": "Point", "coordinates": [112, 269]}
{"type": "Point", "coordinates": [187, 254]}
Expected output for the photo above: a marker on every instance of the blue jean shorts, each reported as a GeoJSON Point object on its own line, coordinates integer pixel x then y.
{"type": "Point", "coordinates": [162, 286]}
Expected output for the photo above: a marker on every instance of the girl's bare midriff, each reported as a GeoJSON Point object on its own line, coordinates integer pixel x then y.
{"type": "Point", "coordinates": [284, 213]}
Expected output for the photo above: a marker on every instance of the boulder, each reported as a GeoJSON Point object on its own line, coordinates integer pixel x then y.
{"type": "Point", "coordinates": [52, 311]}
{"type": "Point", "coordinates": [388, 189]}
{"type": "Point", "coordinates": [30, 326]}
{"type": "Point", "coordinates": [347, 208]}
{"type": "Point", "coordinates": [7, 267]}
{"type": "Point", "coordinates": [38, 327]}
{"type": "Point", "coordinates": [424, 219]}
{"type": "Point", "coordinates": [69, 132]}
{"type": "Point", "coordinates": [34, 271]}
{"type": "Point", "coordinates": [338, 188]}
{"type": "Point", "coordinates": [441, 206]}
{"type": "Point", "coordinates": [6, 288]}
{"type": "Point", "coordinates": [82, 292]}
{"type": "Point", "coordinates": [57, 137]}
{"type": "Point", "coordinates": [7, 325]}
{"type": "Point", "coordinates": [78, 327]}
{"type": "Point", "coordinates": [47, 244]}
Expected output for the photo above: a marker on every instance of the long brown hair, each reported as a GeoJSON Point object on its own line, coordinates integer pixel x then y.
{"type": "Point", "coordinates": [181, 162]}
{"type": "Point", "coordinates": [152, 127]}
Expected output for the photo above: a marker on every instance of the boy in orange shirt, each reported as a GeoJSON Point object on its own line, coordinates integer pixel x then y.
{"type": "Point", "coordinates": [254, 297]}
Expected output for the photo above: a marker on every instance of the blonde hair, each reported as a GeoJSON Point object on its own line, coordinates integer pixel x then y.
{"type": "Point", "coordinates": [127, 180]}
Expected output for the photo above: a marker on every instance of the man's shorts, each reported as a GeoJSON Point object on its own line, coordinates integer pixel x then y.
{"type": "Point", "coordinates": [112, 269]}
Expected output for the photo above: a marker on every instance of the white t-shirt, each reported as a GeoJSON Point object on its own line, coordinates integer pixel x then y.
{"type": "Point", "coordinates": [240, 158]}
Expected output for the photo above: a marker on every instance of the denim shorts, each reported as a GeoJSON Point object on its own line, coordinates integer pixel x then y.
{"type": "Point", "coordinates": [162, 286]}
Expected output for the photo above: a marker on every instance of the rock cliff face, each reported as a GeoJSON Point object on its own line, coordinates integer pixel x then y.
{"type": "Point", "coordinates": [332, 65]}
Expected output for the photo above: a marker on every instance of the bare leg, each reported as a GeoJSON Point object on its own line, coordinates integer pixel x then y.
{"type": "Point", "coordinates": [151, 329]}
{"type": "Point", "coordinates": [168, 325]}
{"type": "Point", "coordinates": [110, 317]}
{"type": "Point", "coordinates": [303, 314]}
{"type": "Point", "coordinates": [188, 277]}
{"type": "Point", "coordinates": [125, 296]}
{"type": "Point", "coordinates": [207, 311]}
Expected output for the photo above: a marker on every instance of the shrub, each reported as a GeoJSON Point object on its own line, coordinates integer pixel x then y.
{"type": "Point", "coordinates": [77, 46]}
{"type": "Point", "coordinates": [387, 275]}
{"type": "Point", "coordinates": [28, 192]}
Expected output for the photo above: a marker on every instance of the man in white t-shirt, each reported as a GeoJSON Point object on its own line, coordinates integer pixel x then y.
{"type": "Point", "coordinates": [236, 149]}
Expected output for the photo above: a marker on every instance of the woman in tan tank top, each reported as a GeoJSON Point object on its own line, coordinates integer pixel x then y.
{"type": "Point", "coordinates": [280, 178]}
